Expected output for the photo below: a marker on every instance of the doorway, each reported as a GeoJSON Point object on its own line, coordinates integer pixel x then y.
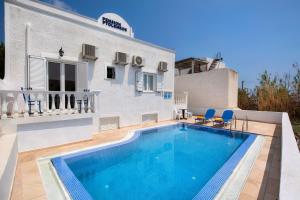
{"type": "Point", "coordinates": [61, 77]}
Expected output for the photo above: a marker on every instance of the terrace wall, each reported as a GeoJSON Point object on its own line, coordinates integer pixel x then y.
{"type": "Point", "coordinates": [290, 162]}
{"type": "Point", "coordinates": [216, 88]}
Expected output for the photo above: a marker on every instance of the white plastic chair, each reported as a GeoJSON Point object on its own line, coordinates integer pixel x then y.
{"type": "Point", "coordinates": [189, 114]}
{"type": "Point", "coordinates": [178, 113]}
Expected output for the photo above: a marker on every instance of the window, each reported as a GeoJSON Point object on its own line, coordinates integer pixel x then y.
{"type": "Point", "coordinates": [54, 76]}
{"type": "Point", "coordinates": [70, 77]}
{"type": "Point", "coordinates": [148, 82]}
{"type": "Point", "coordinates": [167, 95]}
{"type": "Point", "coordinates": [110, 73]}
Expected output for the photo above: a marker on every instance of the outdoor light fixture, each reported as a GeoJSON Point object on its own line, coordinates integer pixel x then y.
{"type": "Point", "coordinates": [61, 52]}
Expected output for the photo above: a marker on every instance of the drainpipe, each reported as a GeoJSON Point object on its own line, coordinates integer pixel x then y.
{"type": "Point", "coordinates": [27, 51]}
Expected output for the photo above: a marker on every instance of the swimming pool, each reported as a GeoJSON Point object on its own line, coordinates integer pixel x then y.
{"type": "Point", "coordinates": [179, 161]}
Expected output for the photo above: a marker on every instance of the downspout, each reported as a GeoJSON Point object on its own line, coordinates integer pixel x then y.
{"type": "Point", "coordinates": [27, 51]}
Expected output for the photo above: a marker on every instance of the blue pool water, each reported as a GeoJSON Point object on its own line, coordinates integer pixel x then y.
{"type": "Point", "coordinates": [173, 162]}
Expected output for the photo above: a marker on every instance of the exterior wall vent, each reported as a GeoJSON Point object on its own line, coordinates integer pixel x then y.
{"type": "Point", "coordinates": [121, 58]}
{"type": "Point", "coordinates": [89, 52]}
{"type": "Point", "coordinates": [163, 67]}
{"type": "Point", "coordinates": [137, 61]}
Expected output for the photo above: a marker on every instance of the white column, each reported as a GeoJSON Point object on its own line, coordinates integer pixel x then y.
{"type": "Point", "coordinates": [4, 107]}
{"type": "Point", "coordinates": [82, 104]}
{"type": "Point", "coordinates": [45, 104]}
{"type": "Point", "coordinates": [89, 98]}
{"type": "Point", "coordinates": [69, 103]}
{"type": "Point", "coordinates": [53, 103]}
{"type": "Point", "coordinates": [75, 104]}
{"type": "Point", "coordinates": [61, 106]}
{"type": "Point", "coordinates": [96, 102]}
{"type": "Point", "coordinates": [93, 102]}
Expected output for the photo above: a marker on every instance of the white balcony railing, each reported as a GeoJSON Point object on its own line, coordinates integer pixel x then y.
{"type": "Point", "coordinates": [15, 104]}
{"type": "Point", "coordinates": [181, 100]}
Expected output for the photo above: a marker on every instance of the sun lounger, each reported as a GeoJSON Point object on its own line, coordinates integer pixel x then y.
{"type": "Point", "coordinates": [210, 113]}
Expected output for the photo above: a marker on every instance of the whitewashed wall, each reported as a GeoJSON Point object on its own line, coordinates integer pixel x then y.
{"type": "Point", "coordinates": [290, 162]}
{"type": "Point", "coordinates": [51, 29]}
{"type": "Point", "coordinates": [8, 163]}
{"type": "Point", "coordinates": [216, 88]}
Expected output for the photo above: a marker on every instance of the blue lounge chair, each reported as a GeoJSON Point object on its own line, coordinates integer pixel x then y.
{"type": "Point", "coordinates": [226, 118]}
{"type": "Point", "coordinates": [210, 113]}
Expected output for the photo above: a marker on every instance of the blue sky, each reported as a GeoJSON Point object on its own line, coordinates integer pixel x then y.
{"type": "Point", "coordinates": [253, 35]}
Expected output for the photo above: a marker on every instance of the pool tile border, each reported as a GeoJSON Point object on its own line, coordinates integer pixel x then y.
{"type": "Point", "coordinates": [214, 185]}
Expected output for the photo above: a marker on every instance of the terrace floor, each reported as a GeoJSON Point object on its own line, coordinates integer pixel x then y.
{"type": "Point", "coordinates": [262, 183]}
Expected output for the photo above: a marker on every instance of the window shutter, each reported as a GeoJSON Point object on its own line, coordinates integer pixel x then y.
{"type": "Point", "coordinates": [82, 76]}
{"type": "Point", "coordinates": [37, 73]}
{"type": "Point", "coordinates": [105, 71]}
{"type": "Point", "coordinates": [139, 81]}
{"type": "Point", "coordinates": [159, 82]}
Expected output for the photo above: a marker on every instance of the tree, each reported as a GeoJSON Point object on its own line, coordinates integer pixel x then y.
{"type": "Point", "coordinates": [2, 60]}
{"type": "Point", "coordinates": [247, 99]}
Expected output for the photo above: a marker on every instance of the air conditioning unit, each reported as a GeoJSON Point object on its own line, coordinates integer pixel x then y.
{"type": "Point", "coordinates": [163, 67]}
{"type": "Point", "coordinates": [121, 58]}
{"type": "Point", "coordinates": [89, 52]}
{"type": "Point", "coordinates": [137, 61]}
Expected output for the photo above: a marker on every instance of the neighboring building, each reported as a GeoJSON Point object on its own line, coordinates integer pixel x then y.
{"type": "Point", "coordinates": [197, 65]}
{"type": "Point", "coordinates": [208, 82]}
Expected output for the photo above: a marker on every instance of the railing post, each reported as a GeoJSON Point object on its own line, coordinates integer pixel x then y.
{"type": "Point", "coordinates": [82, 104]}
{"type": "Point", "coordinates": [15, 109]}
{"type": "Point", "coordinates": [36, 106]}
{"type": "Point", "coordinates": [26, 113]}
{"type": "Point", "coordinates": [45, 104]}
{"type": "Point", "coordinates": [53, 108]}
{"type": "Point", "coordinates": [40, 99]}
{"type": "Point", "coordinates": [93, 102]}
{"type": "Point", "coordinates": [4, 106]}
{"type": "Point", "coordinates": [75, 104]}
{"type": "Point", "coordinates": [69, 103]}
{"type": "Point", "coordinates": [89, 98]}
{"type": "Point", "coordinates": [61, 106]}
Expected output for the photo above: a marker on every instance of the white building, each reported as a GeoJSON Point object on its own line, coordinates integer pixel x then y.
{"type": "Point", "coordinates": [208, 82]}
{"type": "Point", "coordinates": [98, 55]}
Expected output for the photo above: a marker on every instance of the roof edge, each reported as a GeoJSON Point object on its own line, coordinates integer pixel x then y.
{"type": "Point", "coordinates": [83, 21]}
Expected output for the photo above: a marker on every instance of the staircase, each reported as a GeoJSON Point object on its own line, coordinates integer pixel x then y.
{"type": "Point", "coordinates": [216, 61]}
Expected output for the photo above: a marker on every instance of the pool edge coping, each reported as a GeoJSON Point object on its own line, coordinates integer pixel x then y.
{"type": "Point", "coordinates": [131, 136]}
{"type": "Point", "coordinates": [59, 184]}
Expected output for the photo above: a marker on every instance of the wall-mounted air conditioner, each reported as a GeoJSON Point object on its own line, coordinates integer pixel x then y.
{"type": "Point", "coordinates": [163, 66]}
{"type": "Point", "coordinates": [89, 52]}
{"type": "Point", "coordinates": [137, 61]}
{"type": "Point", "coordinates": [121, 58]}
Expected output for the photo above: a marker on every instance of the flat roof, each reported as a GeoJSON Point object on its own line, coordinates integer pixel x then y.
{"type": "Point", "coordinates": [186, 63]}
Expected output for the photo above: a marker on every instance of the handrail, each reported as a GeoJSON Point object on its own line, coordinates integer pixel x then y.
{"type": "Point", "coordinates": [181, 100]}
